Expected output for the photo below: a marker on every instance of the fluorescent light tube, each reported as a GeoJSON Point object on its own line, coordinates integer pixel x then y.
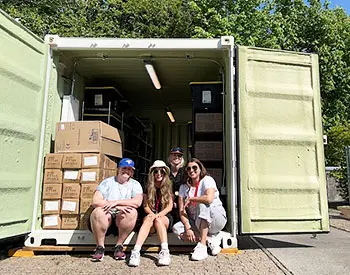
{"type": "Point", "coordinates": [153, 75]}
{"type": "Point", "coordinates": [170, 115]}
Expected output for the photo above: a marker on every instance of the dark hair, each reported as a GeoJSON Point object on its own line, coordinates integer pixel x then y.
{"type": "Point", "coordinates": [201, 166]}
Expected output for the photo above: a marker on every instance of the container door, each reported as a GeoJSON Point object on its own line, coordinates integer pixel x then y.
{"type": "Point", "coordinates": [281, 159]}
{"type": "Point", "coordinates": [22, 70]}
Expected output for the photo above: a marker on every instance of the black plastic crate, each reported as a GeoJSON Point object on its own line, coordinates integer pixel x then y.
{"type": "Point", "coordinates": [207, 96]}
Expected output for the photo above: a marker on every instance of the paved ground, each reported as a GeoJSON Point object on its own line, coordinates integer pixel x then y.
{"type": "Point", "coordinates": [307, 254]}
{"type": "Point", "coordinates": [288, 254]}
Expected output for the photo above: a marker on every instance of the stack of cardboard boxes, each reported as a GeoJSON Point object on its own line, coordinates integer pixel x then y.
{"type": "Point", "coordinates": [72, 173]}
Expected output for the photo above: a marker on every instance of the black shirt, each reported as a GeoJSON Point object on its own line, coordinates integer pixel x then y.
{"type": "Point", "coordinates": [178, 180]}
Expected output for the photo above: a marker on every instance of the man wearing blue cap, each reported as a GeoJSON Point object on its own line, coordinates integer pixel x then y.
{"type": "Point", "coordinates": [116, 200]}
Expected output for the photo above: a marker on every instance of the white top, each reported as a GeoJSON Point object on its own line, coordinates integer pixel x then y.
{"type": "Point", "coordinates": [188, 192]}
{"type": "Point", "coordinates": [113, 190]}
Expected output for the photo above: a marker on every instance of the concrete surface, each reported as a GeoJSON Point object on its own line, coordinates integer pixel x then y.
{"type": "Point", "coordinates": [307, 254]}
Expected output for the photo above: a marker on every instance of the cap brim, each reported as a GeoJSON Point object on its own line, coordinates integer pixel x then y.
{"type": "Point", "coordinates": [176, 152]}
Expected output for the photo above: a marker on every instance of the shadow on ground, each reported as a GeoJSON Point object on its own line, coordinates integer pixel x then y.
{"type": "Point", "coordinates": [246, 243]}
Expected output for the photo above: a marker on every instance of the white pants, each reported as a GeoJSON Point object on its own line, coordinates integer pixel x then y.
{"type": "Point", "coordinates": [214, 215]}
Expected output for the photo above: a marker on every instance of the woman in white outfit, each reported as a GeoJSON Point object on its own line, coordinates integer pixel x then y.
{"type": "Point", "coordinates": [201, 212]}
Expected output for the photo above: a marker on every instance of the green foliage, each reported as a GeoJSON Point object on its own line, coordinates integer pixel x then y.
{"type": "Point", "coordinates": [280, 24]}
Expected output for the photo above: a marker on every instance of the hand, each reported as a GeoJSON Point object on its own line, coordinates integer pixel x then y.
{"type": "Point", "coordinates": [151, 216]}
{"type": "Point", "coordinates": [190, 235]}
{"type": "Point", "coordinates": [187, 203]}
{"type": "Point", "coordinates": [109, 205]}
{"type": "Point", "coordinates": [159, 215]}
{"type": "Point", "coordinates": [125, 209]}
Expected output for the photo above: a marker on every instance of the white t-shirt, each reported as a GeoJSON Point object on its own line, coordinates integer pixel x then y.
{"type": "Point", "coordinates": [112, 190]}
{"type": "Point", "coordinates": [188, 192]}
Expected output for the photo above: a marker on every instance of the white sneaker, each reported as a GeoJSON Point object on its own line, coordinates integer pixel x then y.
{"type": "Point", "coordinates": [214, 244]}
{"type": "Point", "coordinates": [199, 253]}
{"type": "Point", "coordinates": [164, 257]}
{"type": "Point", "coordinates": [135, 258]}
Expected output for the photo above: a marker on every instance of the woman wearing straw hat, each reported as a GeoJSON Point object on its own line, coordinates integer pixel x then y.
{"type": "Point", "coordinates": [158, 203]}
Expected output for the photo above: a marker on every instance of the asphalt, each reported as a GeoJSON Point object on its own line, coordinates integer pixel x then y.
{"type": "Point", "coordinates": [308, 254]}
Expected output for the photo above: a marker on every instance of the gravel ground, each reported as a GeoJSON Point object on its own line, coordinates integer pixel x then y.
{"type": "Point", "coordinates": [249, 260]}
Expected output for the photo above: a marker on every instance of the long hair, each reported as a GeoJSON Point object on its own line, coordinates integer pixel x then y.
{"type": "Point", "coordinates": [166, 188]}
{"type": "Point", "coordinates": [203, 173]}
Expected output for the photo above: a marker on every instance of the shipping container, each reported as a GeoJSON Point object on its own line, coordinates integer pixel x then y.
{"type": "Point", "coordinates": [273, 174]}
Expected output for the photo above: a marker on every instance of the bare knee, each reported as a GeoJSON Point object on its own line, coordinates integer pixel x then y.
{"type": "Point", "coordinates": [159, 222]}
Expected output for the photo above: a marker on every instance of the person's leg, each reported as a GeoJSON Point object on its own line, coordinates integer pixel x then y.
{"type": "Point", "coordinates": [144, 231]}
{"type": "Point", "coordinates": [125, 223]}
{"type": "Point", "coordinates": [203, 231]}
{"type": "Point", "coordinates": [161, 225]}
{"type": "Point", "coordinates": [100, 221]}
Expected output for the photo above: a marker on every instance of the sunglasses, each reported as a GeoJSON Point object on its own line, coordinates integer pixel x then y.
{"type": "Point", "coordinates": [194, 168]}
{"type": "Point", "coordinates": [177, 156]}
{"type": "Point", "coordinates": [156, 171]}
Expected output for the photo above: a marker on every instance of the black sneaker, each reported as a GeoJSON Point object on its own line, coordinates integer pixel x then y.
{"type": "Point", "coordinates": [99, 254]}
{"type": "Point", "coordinates": [119, 253]}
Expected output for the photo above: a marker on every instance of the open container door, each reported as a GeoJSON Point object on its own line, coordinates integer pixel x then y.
{"type": "Point", "coordinates": [281, 159]}
{"type": "Point", "coordinates": [22, 86]}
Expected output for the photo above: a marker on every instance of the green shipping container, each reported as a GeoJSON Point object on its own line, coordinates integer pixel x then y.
{"type": "Point", "coordinates": [274, 174]}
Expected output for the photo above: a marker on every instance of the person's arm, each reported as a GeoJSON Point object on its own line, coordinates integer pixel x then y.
{"type": "Point", "coordinates": [190, 235]}
{"type": "Point", "coordinates": [98, 200]}
{"type": "Point", "coordinates": [146, 206]}
{"type": "Point", "coordinates": [134, 202]}
{"type": "Point", "coordinates": [167, 209]}
{"type": "Point", "coordinates": [207, 198]}
{"type": "Point", "coordinates": [183, 215]}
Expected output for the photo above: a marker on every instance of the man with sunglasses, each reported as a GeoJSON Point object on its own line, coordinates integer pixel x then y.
{"type": "Point", "coordinates": [115, 203]}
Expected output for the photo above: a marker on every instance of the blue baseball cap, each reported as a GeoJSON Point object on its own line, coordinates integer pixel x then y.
{"type": "Point", "coordinates": [126, 162]}
{"type": "Point", "coordinates": [177, 150]}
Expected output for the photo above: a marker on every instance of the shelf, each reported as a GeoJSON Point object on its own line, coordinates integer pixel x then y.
{"type": "Point", "coordinates": [140, 139]}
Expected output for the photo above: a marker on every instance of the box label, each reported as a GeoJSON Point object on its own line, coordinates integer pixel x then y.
{"type": "Point", "coordinates": [90, 161]}
{"type": "Point", "coordinates": [69, 206]}
{"type": "Point", "coordinates": [51, 205]}
{"type": "Point", "coordinates": [51, 220]}
{"type": "Point", "coordinates": [98, 100]}
{"type": "Point", "coordinates": [206, 97]}
{"type": "Point", "coordinates": [89, 176]}
{"type": "Point", "coordinates": [71, 175]}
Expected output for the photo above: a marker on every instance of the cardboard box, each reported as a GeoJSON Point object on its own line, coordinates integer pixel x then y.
{"type": "Point", "coordinates": [71, 191]}
{"type": "Point", "coordinates": [71, 176]}
{"type": "Point", "coordinates": [71, 161]}
{"type": "Point", "coordinates": [88, 136]}
{"type": "Point", "coordinates": [91, 175]}
{"type": "Point", "coordinates": [98, 161]}
{"type": "Point", "coordinates": [51, 222]}
{"type": "Point", "coordinates": [88, 190]}
{"type": "Point", "coordinates": [208, 150]}
{"type": "Point", "coordinates": [52, 191]}
{"type": "Point", "coordinates": [53, 161]}
{"type": "Point", "coordinates": [70, 206]}
{"type": "Point", "coordinates": [208, 123]}
{"type": "Point", "coordinates": [51, 207]}
{"type": "Point", "coordinates": [70, 222]}
{"type": "Point", "coordinates": [83, 221]}
{"type": "Point", "coordinates": [109, 173]}
{"type": "Point", "coordinates": [53, 176]}
{"type": "Point", "coordinates": [85, 204]}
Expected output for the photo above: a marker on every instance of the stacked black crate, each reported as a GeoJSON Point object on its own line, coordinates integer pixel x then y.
{"type": "Point", "coordinates": [207, 127]}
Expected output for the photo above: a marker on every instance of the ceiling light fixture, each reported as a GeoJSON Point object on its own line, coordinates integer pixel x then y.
{"type": "Point", "coordinates": [170, 115]}
{"type": "Point", "coordinates": [152, 74]}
